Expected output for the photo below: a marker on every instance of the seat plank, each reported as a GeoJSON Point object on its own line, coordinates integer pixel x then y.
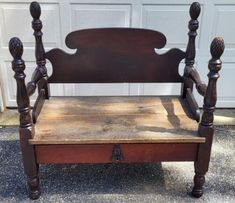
{"type": "Point", "coordinates": [96, 120]}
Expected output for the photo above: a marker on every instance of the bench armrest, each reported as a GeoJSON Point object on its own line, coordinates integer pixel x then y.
{"type": "Point", "coordinates": [193, 74]}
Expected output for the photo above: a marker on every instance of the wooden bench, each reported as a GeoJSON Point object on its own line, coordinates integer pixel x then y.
{"type": "Point", "coordinates": [115, 129]}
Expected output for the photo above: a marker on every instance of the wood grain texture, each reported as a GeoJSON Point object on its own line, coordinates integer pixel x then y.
{"type": "Point", "coordinates": [40, 71]}
{"type": "Point", "coordinates": [26, 129]}
{"type": "Point", "coordinates": [193, 105]}
{"type": "Point", "coordinates": [112, 55]}
{"type": "Point", "coordinates": [193, 25]}
{"type": "Point", "coordinates": [102, 153]}
{"type": "Point", "coordinates": [38, 105]}
{"type": "Point", "coordinates": [206, 127]}
{"type": "Point", "coordinates": [86, 120]}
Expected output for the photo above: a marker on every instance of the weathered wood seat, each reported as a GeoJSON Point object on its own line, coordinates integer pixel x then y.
{"type": "Point", "coordinates": [95, 120]}
{"type": "Point", "coordinates": [115, 129]}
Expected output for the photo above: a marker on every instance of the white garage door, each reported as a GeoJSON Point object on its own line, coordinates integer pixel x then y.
{"type": "Point", "coordinates": [171, 17]}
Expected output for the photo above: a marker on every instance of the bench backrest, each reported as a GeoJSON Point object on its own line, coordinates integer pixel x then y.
{"type": "Point", "coordinates": [115, 55]}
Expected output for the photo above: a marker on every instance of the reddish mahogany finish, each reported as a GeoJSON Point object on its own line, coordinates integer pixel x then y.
{"type": "Point", "coordinates": [101, 153]}
{"type": "Point", "coordinates": [115, 55]}
{"type": "Point", "coordinates": [112, 55]}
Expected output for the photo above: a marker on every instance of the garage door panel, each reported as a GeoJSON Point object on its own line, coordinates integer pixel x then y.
{"type": "Point", "coordinates": [171, 20]}
{"type": "Point", "coordinates": [225, 87]}
{"type": "Point", "coordinates": [170, 17]}
{"type": "Point", "coordinates": [16, 21]}
{"type": "Point", "coordinates": [100, 15]}
{"type": "Point", "coordinates": [223, 25]}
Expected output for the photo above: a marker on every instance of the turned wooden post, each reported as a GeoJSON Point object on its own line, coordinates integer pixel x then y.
{"type": "Point", "coordinates": [26, 129]}
{"type": "Point", "coordinates": [193, 25]}
{"type": "Point", "coordinates": [41, 71]}
{"type": "Point", "coordinates": [206, 128]}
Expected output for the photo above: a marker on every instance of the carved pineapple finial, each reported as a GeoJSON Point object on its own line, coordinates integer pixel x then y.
{"type": "Point", "coordinates": [16, 48]}
{"type": "Point", "coordinates": [195, 10]}
{"type": "Point", "coordinates": [193, 25]}
{"type": "Point", "coordinates": [35, 10]}
{"type": "Point", "coordinates": [217, 47]}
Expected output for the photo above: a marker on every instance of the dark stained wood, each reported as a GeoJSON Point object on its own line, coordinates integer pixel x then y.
{"type": "Point", "coordinates": [193, 105]}
{"type": "Point", "coordinates": [206, 128]}
{"type": "Point", "coordinates": [92, 120]}
{"type": "Point", "coordinates": [18, 66]}
{"type": "Point", "coordinates": [159, 152]}
{"type": "Point", "coordinates": [217, 48]}
{"type": "Point", "coordinates": [132, 153]}
{"type": "Point", "coordinates": [192, 73]}
{"type": "Point", "coordinates": [115, 129]}
{"type": "Point", "coordinates": [40, 71]}
{"type": "Point", "coordinates": [26, 129]}
{"type": "Point", "coordinates": [193, 25]}
{"type": "Point", "coordinates": [117, 154]}
{"type": "Point", "coordinates": [111, 55]}
{"type": "Point", "coordinates": [38, 105]}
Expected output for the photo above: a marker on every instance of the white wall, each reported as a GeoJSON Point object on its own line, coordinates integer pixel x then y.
{"type": "Point", "coordinates": [168, 16]}
{"type": "Point", "coordinates": [1, 101]}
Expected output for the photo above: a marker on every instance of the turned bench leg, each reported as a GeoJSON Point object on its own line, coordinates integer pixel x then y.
{"type": "Point", "coordinates": [33, 185]}
{"type": "Point", "coordinates": [201, 165]}
{"type": "Point", "coordinates": [30, 165]}
{"type": "Point", "coordinates": [26, 129]}
{"type": "Point", "coordinates": [206, 127]}
{"type": "Point", "coordinates": [199, 180]}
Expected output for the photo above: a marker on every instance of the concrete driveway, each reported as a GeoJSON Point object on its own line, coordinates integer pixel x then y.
{"type": "Point", "coordinates": [160, 182]}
